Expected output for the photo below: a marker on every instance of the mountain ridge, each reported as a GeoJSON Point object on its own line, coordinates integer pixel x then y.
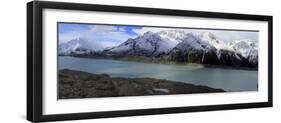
{"type": "Point", "coordinates": [181, 46]}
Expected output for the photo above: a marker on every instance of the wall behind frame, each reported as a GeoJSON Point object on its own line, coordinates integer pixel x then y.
{"type": "Point", "coordinates": [13, 61]}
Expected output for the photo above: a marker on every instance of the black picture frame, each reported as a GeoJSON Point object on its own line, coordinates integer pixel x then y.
{"type": "Point", "coordinates": [35, 69]}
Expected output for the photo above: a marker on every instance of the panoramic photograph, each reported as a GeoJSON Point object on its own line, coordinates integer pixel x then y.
{"type": "Point", "coordinates": [102, 60]}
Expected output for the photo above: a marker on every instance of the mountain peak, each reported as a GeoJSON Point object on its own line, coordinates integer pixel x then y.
{"type": "Point", "coordinates": [190, 35]}
{"type": "Point", "coordinates": [245, 43]}
{"type": "Point", "coordinates": [247, 48]}
{"type": "Point", "coordinates": [148, 33]}
{"type": "Point", "coordinates": [208, 36]}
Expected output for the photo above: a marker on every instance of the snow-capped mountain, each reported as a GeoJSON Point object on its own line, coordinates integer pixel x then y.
{"type": "Point", "coordinates": [192, 42]}
{"type": "Point", "coordinates": [194, 49]}
{"type": "Point", "coordinates": [175, 45]}
{"type": "Point", "coordinates": [174, 36]}
{"type": "Point", "coordinates": [149, 44]}
{"type": "Point", "coordinates": [247, 48]}
{"type": "Point", "coordinates": [241, 49]}
{"type": "Point", "coordinates": [205, 49]}
{"type": "Point", "coordinates": [212, 40]}
{"type": "Point", "coordinates": [152, 43]}
{"type": "Point", "coordinates": [78, 46]}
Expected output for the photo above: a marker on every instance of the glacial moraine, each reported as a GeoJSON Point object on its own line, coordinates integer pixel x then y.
{"type": "Point", "coordinates": [78, 84]}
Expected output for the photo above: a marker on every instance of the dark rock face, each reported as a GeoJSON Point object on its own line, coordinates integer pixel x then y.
{"type": "Point", "coordinates": [193, 50]}
{"type": "Point", "coordinates": [77, 84]}
{"type": "Point", "coordinates": [254, 60]}
{"type": "Point", "coordinates": [210, 57]}
{"type": "Point", "coordinates": [186, 53]}
{"type": "Point", "coordinates": [195, 56]}
{"type": "Point", "coordinates": [192, 56]}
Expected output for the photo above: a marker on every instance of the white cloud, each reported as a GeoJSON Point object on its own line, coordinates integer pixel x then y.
{"type": "Point", "coordinates": [65, 37]}
{"type": "Point", "coordinates": [107, 36]}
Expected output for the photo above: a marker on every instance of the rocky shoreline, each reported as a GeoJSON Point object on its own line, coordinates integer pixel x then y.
{"type": "Point", "coordinates": [157, 61]}
{"type": "Point", "coordinates": [77, 84]}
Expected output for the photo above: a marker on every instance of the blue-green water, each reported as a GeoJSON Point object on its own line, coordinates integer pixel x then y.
{"type": "Point", "coordinates": [227, 79]}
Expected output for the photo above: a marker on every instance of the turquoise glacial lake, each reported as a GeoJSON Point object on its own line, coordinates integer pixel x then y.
{"type": "Point", "coordinates": [227, 79]}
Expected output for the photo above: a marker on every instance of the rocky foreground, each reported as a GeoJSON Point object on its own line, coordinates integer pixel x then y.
{"type": "Point", "coordinates": [78, 84]}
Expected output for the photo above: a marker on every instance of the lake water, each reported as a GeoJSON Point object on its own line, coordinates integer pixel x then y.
{"type": "Point", "coordinates": [227, 79]}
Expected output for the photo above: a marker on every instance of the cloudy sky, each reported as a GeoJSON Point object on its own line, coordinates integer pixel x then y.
{"type": "Point", "coordinates": [108, 35]}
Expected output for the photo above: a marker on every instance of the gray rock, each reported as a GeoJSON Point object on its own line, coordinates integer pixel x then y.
{"type": "Point", "coordinates": [78, 84]}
